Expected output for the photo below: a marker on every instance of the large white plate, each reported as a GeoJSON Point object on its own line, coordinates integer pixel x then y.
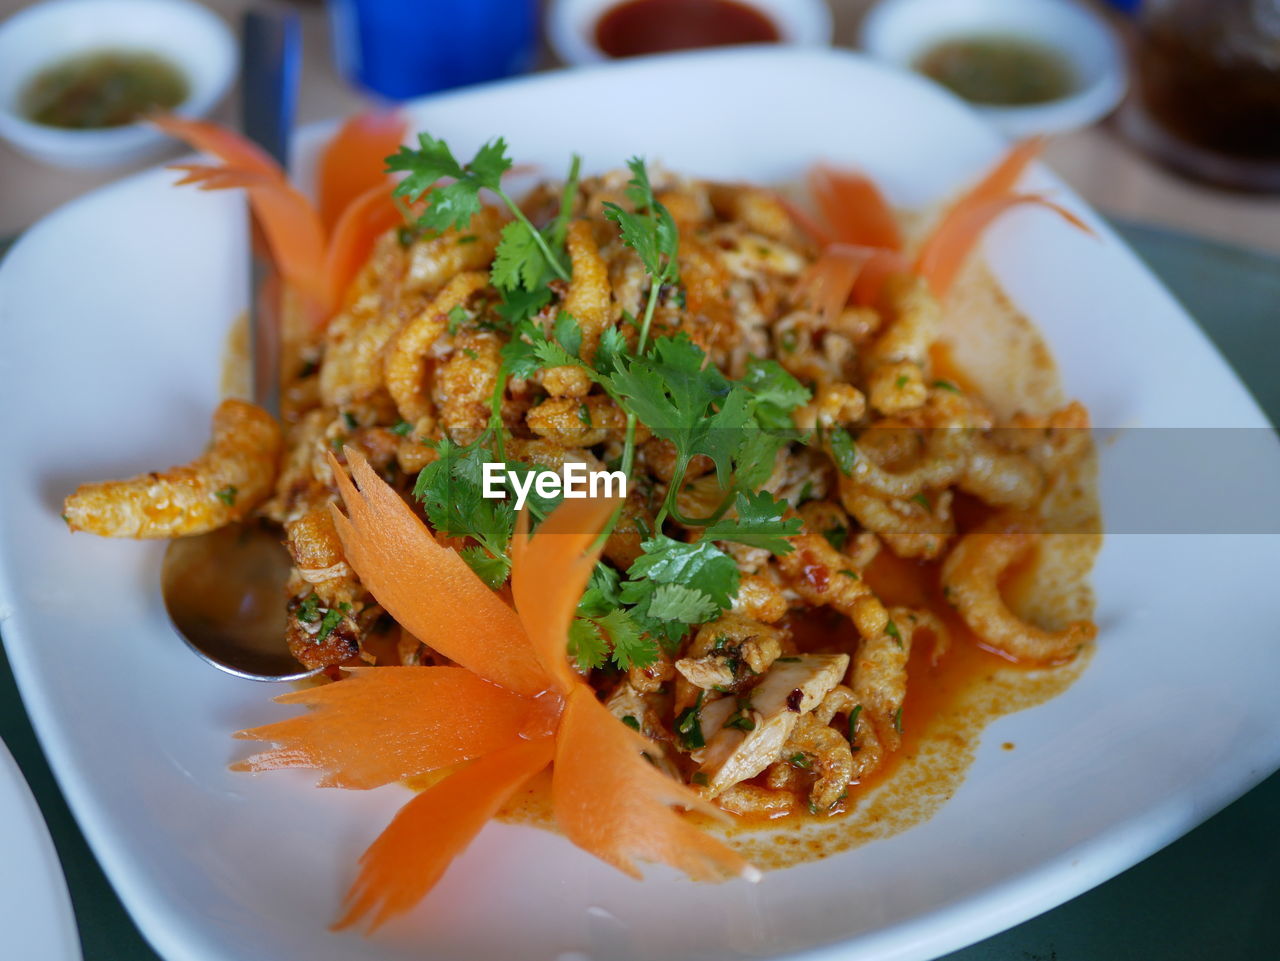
{"type": "Point", "coordinates": [113, 313]}
{"type": "Point", "coordinates": [35, 911]}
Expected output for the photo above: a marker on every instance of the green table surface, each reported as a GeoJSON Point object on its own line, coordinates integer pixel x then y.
{"type": "Point", "coordinates": [1214, 895]}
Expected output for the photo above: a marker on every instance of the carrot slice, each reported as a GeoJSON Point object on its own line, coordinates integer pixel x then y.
{"type": "Point", "coordinates": [364, 220]}
{"type": "Point", "coordinates": [839, 272]}
{"type": "Point", "coordinates": [944, 252]}
{"type": "Point", "coordinates": [219, 141]}
{"type": "Point", "coordinates": [379, 725]}
{"type": "Point", "coordinates": [1004, 176]}
{"type": "Point", "coordinates": [878, 269]}
{"type": "Point", "coordinates": [549, 572]}
{"type": "Point", "coordinates": [354, 161]}
{"type": "Point", "coordinates": [610, 801]}
{"type": "Point", "coordinates": [427, 588]}
{"type": "Point", "coordinates": [288, 220]}
{"type": "Point", "coordinates": [811, 226]}
{"type": "Point", "coordinates": [417, 847]}
{"type": "Point", "coordinates": [854, 207]}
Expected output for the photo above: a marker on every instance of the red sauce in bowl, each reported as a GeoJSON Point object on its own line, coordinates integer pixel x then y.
{"type": "Point", "coordinates": [637, 27]}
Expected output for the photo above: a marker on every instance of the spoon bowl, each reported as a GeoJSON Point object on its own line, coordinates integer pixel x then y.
{"type": "Point", "coordinates": [224, 593]}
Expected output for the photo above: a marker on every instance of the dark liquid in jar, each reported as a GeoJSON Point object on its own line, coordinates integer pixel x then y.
{"type": "Point", "coordinates": [1196, 83]}
{"type": "Point", "coordinates": [638, 27]}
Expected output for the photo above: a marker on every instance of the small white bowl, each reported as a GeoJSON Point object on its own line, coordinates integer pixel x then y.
{"type": "Point", "coordinates": [899, 31]}
{"type": "Point", "coordinates": [189, 36]}
{"type": "Point", "coordinates": [571, 25]}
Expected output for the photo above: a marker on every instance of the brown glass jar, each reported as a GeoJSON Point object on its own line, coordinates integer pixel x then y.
{"type": "Point", "coordinates": [1208, 89]}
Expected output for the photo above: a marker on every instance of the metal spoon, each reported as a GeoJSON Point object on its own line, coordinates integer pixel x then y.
{"type": "Point", "coordinates": [225, 590]}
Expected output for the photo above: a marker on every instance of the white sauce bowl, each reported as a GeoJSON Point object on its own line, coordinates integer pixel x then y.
{"type": "Point", "coordinates": [899, 31]}
{"type": "Point", "coordinates": [193, 39]}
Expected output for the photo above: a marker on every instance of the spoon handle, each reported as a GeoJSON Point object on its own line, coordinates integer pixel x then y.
{"type": "Point", "coordinates": [270, 66]}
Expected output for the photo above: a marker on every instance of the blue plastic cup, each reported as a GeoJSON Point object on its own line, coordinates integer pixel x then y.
{"type": "Point", "coordinates": [406, 48]}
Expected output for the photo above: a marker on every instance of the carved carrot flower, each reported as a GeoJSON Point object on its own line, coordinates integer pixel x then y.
{"type": "Point", "coordinates": [862, 245]}
{"type": "Point", "coordinates": [511, 707]}
{"type": "Point", "coordinates": [318, 251]}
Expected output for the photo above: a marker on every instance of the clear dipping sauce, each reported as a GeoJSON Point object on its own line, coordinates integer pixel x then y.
{"type": "Point", "coordinates": [998, 70]}
{"type": "Point", "coordinates": [102, 88]}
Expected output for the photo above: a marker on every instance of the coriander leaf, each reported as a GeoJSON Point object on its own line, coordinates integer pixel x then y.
{"type": "Point", "coordinates": [640, 233]}
{"type": "Point", "coordinates": [493, 570]}
{"type": "Point", "coordinates": [755, 457]}
{"type": "Point", "coordinates": [776, 393]}
{"type": "Point", "coordinates": [453, 204]}
{"type": "Point", "coordinates": [428, 163]}
{"type": "Point", "coordinates": [490, 163]}
{"type": "Point", "coordinates": [675, 602]}
{"type": "Point", "coordinates": [519, 261]}
{"type": "Point", "coordinates": [759, 523]}
{"type": "Point", "coordinates": [457, 317]}
{"type": "Point", "coordinates": [449, 489]}
{"type": "Point", "coordinates": [630, 646]}
{"type": "Point", "coordinates": [610, 351]}
{"type": "Point", "coordinates": [700, 565]}
{"type": "Point", "coordinates": [520, 353]}
{"type": "Point", "coordinates": [670, 390]}
{"type": "Point", "coordinates": [586, 644]}
{"type": "Point", "coordinates": [518, 304]}
{"type": "Point", "coordinates": [550, 354]}
{"type": "Point", "coordinates": [568, 333]}
{"type": "Point", "coordinates": [601, 595]}
{"type": "Point", "coordinates": [227, 495]}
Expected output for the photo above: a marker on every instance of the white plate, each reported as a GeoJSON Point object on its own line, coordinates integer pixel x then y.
{"type": "Point", "coordinates": [113, 313]}
{"type": "Point", "coordinates": [35, 911]}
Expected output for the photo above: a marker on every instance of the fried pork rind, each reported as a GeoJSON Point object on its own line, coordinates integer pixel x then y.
{"type": "Point", "coordinates": [415, 355]}
{"type": "Point", "coordinates": [971, 578]}
{"type": "Point", "coordinates": [222, 485]}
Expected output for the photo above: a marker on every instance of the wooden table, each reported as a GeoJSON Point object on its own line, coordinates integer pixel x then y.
{"type": "Point", "coordinates": [1109, 173]}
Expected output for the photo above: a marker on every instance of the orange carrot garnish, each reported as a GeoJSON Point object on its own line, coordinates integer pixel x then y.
{"type": "Point", "coordinates": [863, 243]}
{"type": "Point", "coordinates": [612, 802]}
{"type": "Point", "coordinates": [944, 252]}
{"type": "Point", "coordinates": [412, 854]}
{"type": "Point", "coordinates": [219, 141]}
{"type": "Point", "coordinates": [547, 593]}
{"type": "Point", "coordinates": [428, 588]}
{"type": "Point", "coordinates": [387, 723]}
{"type": "Point", "coordinates": [1004, 176]}
{"type": "Point", "coordinates": [352, 163]}
{"type": "Point", "coordinates": [422, 718]}
{"type": "Point", "coordinates": [842, 270]}
{"type": "Point", "coordinates": [364, 220]}
{"type": "Point", "coordinates": [854, 208]}
{"type": "Point", "coordinates": [288, 220]}
{"type": "Point", "coordinates": [318, 255]}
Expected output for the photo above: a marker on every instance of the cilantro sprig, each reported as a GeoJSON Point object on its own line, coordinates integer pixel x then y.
{"type": "Point", "coordinates": [668, 383]}
{"type": "Point", "coordinates": [524, 254]}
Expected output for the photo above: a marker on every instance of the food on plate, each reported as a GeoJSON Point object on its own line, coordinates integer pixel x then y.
{"type": "Point", "coordinates": [842, 466]}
